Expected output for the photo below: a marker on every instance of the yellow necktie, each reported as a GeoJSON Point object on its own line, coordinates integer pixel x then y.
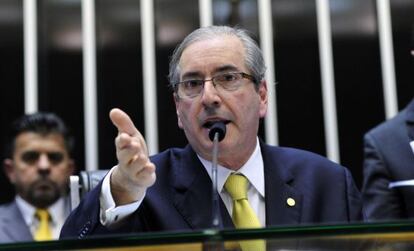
{"type": "Point", "coordinates": [43, 232]}
{"type": "Point", "coordinates": [243, 214]}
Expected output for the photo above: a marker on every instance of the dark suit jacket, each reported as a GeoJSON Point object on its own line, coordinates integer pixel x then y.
{"type": "Point", "coordinates": [388, 158]}
{"type": "Point", "coordinates": [181, 196]}
{"type": "Point", "coordinates": [12, 225]}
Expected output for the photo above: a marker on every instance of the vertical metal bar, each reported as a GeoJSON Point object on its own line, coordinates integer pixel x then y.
{"type": "Point", "coordinates": [206, 13]}
{"type": "Point", "coordinates": [89, 84]}
{"type": "Point", "coordinates": [30, 56]}
{"type": "Point", "coordinates": [328, 81]}
{"type": "Point", "coordinates": [266, 43]}
{"type": "Point", "coordinates": [387, 58]}
{"type": "Point", "coordinates": [149, 77]}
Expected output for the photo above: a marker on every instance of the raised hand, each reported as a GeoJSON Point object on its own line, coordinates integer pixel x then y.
{"type": "Point", "coordinates": [135, 172]}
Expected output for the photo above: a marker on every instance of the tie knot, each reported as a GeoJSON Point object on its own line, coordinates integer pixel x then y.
{"type": "Point", "coordinates": [42, 214]}
{"type": "Point", "coordinates": [236, 186]}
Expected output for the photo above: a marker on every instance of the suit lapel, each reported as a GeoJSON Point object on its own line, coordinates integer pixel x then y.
{"type": "Point", "coordinates": [14, 225]}
{"type": "Point", "coordinates": [192, 192]}
{"type": "Point", "coordinates": [409, 119]}
{"type": "Point", "coordinates": [283, 202]}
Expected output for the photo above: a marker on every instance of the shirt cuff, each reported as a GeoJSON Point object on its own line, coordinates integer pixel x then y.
{"type": "Point", "coordinates": [110, 214]}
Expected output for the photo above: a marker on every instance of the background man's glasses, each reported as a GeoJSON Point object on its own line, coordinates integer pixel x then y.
{"type": "Point", "coordinates": [31, 157]}
{"type": "Point", "coordinates": [231, 81]}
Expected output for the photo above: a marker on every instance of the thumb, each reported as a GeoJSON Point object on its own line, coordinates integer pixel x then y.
{"type": "Point", "coordinates": [123, 122]}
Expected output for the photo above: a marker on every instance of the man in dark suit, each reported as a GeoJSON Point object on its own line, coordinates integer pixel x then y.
{"type": "Point", "coordinates": [217, 75]}
{"type": "Point", "coordinates": [38, 164]}
{"type": "Point", "coordinates": [388, 188]}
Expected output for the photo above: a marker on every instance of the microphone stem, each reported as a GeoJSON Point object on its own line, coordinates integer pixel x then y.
{"type": "Point", "coordinates": [215, 205]}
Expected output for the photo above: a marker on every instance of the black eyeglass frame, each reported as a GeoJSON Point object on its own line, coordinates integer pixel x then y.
{"type": "Point", "coordinates": [174, 86]}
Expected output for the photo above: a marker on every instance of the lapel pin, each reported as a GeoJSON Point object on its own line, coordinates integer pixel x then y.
{"type": "Point", "coordinates": [291, 202]}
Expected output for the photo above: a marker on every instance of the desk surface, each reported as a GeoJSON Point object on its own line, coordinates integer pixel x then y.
{"type": "Point", "coordinates": [366, 237]}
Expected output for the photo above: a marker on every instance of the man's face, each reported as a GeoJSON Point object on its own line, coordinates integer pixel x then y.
{"type": "Point", "coordinates": [40, 168]}
{"type": "Point", "coordinates": [240, 109]}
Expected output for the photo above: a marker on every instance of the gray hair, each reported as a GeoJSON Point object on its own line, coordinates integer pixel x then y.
{"type": "Point", "coordinates": [253, 55]}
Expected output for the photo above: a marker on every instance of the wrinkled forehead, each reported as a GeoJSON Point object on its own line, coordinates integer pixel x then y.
{"type": "Point", "coordinates": [216, 42]}
{"type": "Point", "coordinates": [213, 55]}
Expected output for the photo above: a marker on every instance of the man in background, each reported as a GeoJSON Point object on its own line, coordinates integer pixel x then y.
{"type": "Point", "coordinates": [38, 164]}
{"type": "Point", "coordinates": [388, 188]}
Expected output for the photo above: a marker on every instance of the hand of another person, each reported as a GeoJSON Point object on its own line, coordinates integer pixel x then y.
{"type": "Point", "coordinates": [135, 172]}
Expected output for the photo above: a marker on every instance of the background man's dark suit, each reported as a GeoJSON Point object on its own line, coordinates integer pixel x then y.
{"type": "Point", "coordinates": [181, 197]}
{"type": "Point", "coordinates": [12, 225]}
{"type": "Point", "coordinates": [389, 158]}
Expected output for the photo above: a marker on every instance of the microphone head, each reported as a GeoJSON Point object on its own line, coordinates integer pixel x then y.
{"type": "Point", "coordinates": [217, 127]}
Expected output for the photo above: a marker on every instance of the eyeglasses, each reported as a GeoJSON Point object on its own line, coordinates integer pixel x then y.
{"type": "Point", "coordinates": [31, 157]}
{"type": "Point", "coordinates": [230, 81]}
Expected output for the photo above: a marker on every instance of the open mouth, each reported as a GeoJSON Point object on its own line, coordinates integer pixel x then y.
{"type": "Point", "coordinates": [208, 124]}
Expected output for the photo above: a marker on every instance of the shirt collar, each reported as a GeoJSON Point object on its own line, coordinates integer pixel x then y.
{"type": "Point", "coordinates": [26, 209]}
{"type": "Point", "coordinates": [56, 210]}
{"type": "Point", "coordinates": [252, 170]}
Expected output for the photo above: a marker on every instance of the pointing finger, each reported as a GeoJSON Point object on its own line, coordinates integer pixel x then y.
{"type": "Point", "coordinates": [123, 122]}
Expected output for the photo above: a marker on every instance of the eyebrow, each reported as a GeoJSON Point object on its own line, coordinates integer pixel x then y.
{"type": "Point", "coordinates": [189, 75]}
{"type": "Point", "coordinates": [226, 68]}
{"type": "Point", "coordinates": [220, 69]}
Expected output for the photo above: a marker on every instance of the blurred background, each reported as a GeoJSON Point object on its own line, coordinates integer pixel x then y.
{"type": "Point", "coordinates": [360, 100]}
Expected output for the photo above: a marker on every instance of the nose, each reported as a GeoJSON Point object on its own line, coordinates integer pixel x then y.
{"type": "Point", "coordinates": [43, 163]}
{"type": "Point", "coordinates": [210, 96]}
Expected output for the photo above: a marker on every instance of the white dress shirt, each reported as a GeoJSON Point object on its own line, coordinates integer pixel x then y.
{"type": "Point", "coordinates": [253, 170]}
{"type": "Point", "coordinates": [58, 213]}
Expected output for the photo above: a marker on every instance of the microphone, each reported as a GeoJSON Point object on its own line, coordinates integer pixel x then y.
{"type": "Point", "coordinates": [217, 127]}
{"type": "Point", "coordinates": [216, 134]}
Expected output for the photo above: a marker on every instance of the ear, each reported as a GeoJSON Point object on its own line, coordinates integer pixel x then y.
{"type": "Point", "coordinates": [263, 94]}
{"type": "Point", "coordinates": [177, 110]}
{"type": "Point", "coordinates": [8, 166]}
